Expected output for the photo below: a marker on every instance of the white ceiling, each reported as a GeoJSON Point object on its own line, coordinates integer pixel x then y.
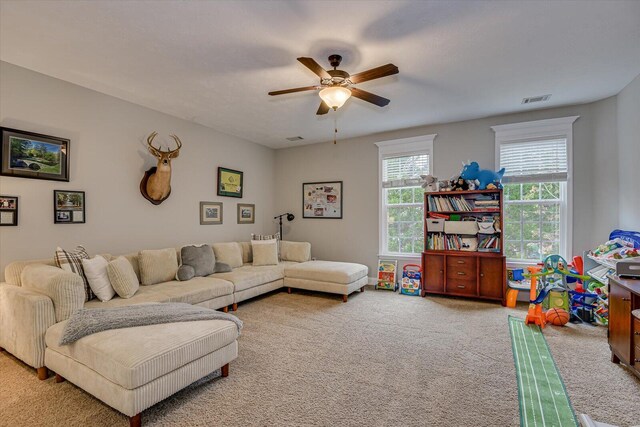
{"type": "Point", "coordinates": [213, 62]}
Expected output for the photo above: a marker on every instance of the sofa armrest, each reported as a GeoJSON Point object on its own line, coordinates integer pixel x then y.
{"type": "Point", "coordinates": [25, 316]}
{"type": "Point", "coordinates": [65, 289]}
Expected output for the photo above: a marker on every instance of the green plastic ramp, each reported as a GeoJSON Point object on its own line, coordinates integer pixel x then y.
{"type": "Point", "coordinates": [542, 395]}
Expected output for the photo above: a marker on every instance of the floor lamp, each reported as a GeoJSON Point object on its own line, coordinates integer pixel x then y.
{"type": "Point", "coordinates": [289, 216]}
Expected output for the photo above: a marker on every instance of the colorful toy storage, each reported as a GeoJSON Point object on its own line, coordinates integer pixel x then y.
{"type": "Point", "coordinates": [387, 270]}
{"type": "Point", "coordinates": [411, 277]}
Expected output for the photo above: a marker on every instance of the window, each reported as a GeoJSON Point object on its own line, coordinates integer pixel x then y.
{"type": "Point", "coordinates": [537, 188]}
{"type": "Point", "coordinates": [401, 195]}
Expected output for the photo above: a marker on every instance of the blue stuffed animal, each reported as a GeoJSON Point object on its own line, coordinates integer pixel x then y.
{"type": "Point", "coordinates": [484, 176]}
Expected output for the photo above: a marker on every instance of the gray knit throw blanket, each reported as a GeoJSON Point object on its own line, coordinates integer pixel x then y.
{"type": "Point", "coordinates": [90, 321]}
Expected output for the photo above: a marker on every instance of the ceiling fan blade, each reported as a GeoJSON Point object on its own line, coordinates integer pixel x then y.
{"type": "Point", "coordinates": [311, 64]}
{"type": "Point", "coordinates": [369, 97]}
{"type": "Point", "coordinates": [297, 89]}
{"type": "Point", "coordinates": [322, 109]}
{"type": "Point", "coordinates": [374, 73]}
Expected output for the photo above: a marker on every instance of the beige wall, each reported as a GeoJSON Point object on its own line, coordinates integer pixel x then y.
{"type": "Point", "coordinates": [108, 158]}
{"type": "Point", "coordinates": [629, 155]}
{"type": "Point", "coordinates": [355, 161]}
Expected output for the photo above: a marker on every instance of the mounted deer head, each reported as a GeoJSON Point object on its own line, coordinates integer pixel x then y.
{"type": "Point", "coordinates": [156, 183]}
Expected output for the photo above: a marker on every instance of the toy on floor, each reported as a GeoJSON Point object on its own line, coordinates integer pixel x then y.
{"type": "Point", "coordinates": [485, 177]}
{"type": "Point", "coordinates": [557, 316]}
{"type": "Point", "coordinates": [411, 275]}
{"type": "Point", "coordinates": [387, 275]}
{"type": "Point", "coordinates": [516, 282]}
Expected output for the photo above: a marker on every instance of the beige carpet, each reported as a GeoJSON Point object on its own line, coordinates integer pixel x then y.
{"type": "Point", "coordinates": [382, 359]}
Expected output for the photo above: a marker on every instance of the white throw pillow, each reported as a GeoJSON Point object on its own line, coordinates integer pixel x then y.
{"type": "Point", "coordinates": [228, 253]}
{"type": "Point", "coordinates": [96, 271]}
{"type": "Point", "coordinates": [265, 252]}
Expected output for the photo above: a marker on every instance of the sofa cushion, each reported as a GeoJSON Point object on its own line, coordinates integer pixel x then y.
{"type": "Point", "coordinates": [327, 271]}
{"type": "Point", "coordinates": [143, 295]}
{"type": "Point", "coordinates": [247, 253]}
{"type": "Point", "coordinates": [133, 260]}
{"type": "Point", "coordinates": [133, 357]}
{"type": "Point", "coordinates": [71, 261]}
{"type": "Point", "coordinates": [196, 290]}
{"type": "Point", "coordinates": [265, 252]}
{"type": "Point", "coordinates": [249, 276]}
{"type": "Point", "coordinates": [157, 266]}
{"type": "Point", "coordinates": [228, 253]}
{"type": "Point", "coordinates": [295, 251]}
{"type": "Point", "coordinates": [122, 277]}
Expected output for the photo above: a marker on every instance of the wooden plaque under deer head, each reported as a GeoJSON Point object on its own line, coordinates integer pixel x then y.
{"type": "Point", "coordinates": [156, 182]}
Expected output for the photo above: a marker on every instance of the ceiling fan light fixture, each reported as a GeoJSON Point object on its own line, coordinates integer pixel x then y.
{"type": "Point", "coordinates": [335, 96]}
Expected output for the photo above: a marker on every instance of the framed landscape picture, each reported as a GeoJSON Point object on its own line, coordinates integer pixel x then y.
{"type": "Point", "coordinates": [322, 200]}
{"type": "Point", "coordinates": [229, 182]}
{"type": "Point", "coordinates": [8, 211]}
{"type": "Point", "coordinates": [246, 213]}
{"type": "Point", "coordinates": [68, 207]}
{"type": "Point", "coordinates": [210, 213]}
{"type": "Point", "coordinates": [32, 155]}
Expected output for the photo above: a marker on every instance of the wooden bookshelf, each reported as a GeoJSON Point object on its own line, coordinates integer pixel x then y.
{"type": "Point", "coordinates": [448, 268]}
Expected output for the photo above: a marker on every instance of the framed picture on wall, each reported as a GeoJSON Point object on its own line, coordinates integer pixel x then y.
{"type": "Point", "coordinates": [210, 213]}
{"type": "Point", "coordinates": [68, 207]}
{"type": "Point", "coordinates": [229, 182]}
{"type": "Point", "coordinates": [8, 211]}
{"type": "Point", "coordinates": [32, 155]}
{"type": "Point", "coordinates": [322, 200]}
{"type": "Point", "coordinates": [246, 213]}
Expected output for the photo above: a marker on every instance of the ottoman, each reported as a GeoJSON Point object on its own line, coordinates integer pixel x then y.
{"type": "Point", "coordinates": [134, 368]}
{"type": "Point", "coordinates": [340, 278]}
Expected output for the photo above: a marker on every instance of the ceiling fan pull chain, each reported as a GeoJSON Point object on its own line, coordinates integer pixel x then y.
{"type": "Point", "coordinates": [335, 129]}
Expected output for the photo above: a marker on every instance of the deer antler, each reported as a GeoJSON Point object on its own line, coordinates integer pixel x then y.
{"type": "Point", "coordinates": [177, 150]}
{"type": "Point", "coordinates": [152, 149]}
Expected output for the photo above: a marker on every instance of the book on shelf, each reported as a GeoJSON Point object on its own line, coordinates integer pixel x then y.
{"type": "Point", "coordinates": [489, 243]}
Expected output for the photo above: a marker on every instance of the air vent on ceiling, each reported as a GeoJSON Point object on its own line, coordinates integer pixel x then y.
{"type": "Point", "coordinates": [295, 138]}
{"type": "Point", "coordinates": [533, 99]}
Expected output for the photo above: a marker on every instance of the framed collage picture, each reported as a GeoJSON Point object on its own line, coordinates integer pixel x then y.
{"type": "Point", "coordinates": [322, 200]}
{"type": "Point", "coordinates": [68, 207]}
{"type": "Point", "coordinates": [8, 210]}
{"type": "Point", "coordinates": [32, 155]}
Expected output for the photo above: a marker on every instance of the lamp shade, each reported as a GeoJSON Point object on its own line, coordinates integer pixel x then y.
{"type": "Point", "coordinates": [335, 96]}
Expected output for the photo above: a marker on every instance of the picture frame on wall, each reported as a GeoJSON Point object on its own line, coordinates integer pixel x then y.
{"type": "Point", "coordinates": [322, 200]}
{"type": "Point", "coordinates": [230, 182]}
{"type": "Point", "coordinates": [210, 213]}
{"type": "Point", "coordinates": [32, 155]}
{"type": "Point", "coordinates": [246, 213]}
{"type": "Point", "coordinates": [8, 210]}
{"type": "Point", "coordinates": [69, 207]}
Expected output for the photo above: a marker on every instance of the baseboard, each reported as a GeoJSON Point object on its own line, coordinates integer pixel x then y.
{"type": "Point", "coordinates": [372, 281]}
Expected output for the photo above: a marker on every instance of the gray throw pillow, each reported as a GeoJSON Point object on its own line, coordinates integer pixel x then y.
{"type": "Point", "coordinates": [201, 258]}
{"type": "Point", "coordinates": [222, 267]}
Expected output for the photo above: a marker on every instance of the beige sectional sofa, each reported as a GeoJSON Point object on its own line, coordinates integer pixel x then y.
{"type": "Point", "coordinates": [37, 294]}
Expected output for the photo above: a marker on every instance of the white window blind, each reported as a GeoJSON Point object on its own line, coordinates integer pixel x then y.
{"type": "Point", "coordinates": [534, 161]}
{"type": "Point", "coordinates": [404, 171]}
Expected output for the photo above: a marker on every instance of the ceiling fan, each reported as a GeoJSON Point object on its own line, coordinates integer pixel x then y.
{"type": "Point", "coordinates": [336, 86]}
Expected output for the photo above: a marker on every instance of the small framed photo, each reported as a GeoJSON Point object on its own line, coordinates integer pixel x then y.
{"type": "Point", "coordinates": [68, 207]}
{"type": "Point", "coordinates": [32, 155]}
{"type": "Point", "coordinates": [246, 213]}
{"type": "Point", "coordinates": [8, 211]}
{"type": "Point", "coordinates": [229, 182]}
{"type": "Point", "coordinates": [210, 213]}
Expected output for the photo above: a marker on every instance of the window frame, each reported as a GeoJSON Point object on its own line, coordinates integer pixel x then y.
{"type": "Point", "coordinates": [418, 145]}
{"type": "Point", "coordinates": [561, 127]}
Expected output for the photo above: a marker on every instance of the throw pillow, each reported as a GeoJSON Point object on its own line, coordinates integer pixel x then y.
{"type": "Point", "coordinates": [265, 252]}
{"type": "Point", "coordinates": [96, 271]}
{"type": "Point", "coordinates": [122, 277]}
{"type": "Point", "coordinates": [228, 253]}
{"type": "Point", "coordinates": [201, 258]}
{"type": "Point", "coordinates": [72, 261]}
{"type": "Point", "coordinates": [157, 266]}
{"type": "Point", "coordinates": [275, 236]}
{"type": "Point", "coordinates": [295, 251]}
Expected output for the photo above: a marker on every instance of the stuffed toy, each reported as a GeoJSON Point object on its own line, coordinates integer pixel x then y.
{"type": "Point", "coordinates": [444, 185]}
{"type": "Point", "coordinates": [430, 183]}
{"type": "Point", "coordinates": [484, 176]}
{"type": "Point", "coordinates": [459, 184]}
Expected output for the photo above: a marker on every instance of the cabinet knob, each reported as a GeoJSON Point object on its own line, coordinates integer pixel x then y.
{"type": "Point", "coordinates": [461, 273]}
{"type": "Point", "coordinates": [442, 271]}
{"type": "Point", "coordinates": [460, 262]}
{"type": "Point", "coordinates": [636, 333]}
{"type": "Point", "coordinates": [461, 286]}
{"type": "Point", "coordinates": [481, 274]}
{"type": "Point", "coordinates": [626, 299]}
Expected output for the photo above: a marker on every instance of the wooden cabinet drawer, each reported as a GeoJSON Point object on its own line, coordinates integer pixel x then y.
{"type": "Point", "coordinates": [461, 267]}
{"type": "Point", "coordinates": [433, 275]}
{"type": "Point", "coordinates": [467, 287]}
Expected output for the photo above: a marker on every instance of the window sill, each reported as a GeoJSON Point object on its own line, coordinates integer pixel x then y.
{"type": "Point", "coordinates": [400, 256]}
